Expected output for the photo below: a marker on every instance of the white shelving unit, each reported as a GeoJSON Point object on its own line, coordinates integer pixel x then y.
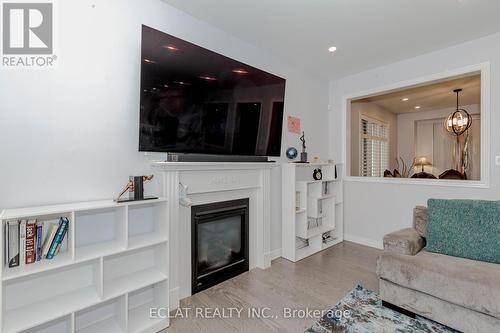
{"type": "Point", "coordinates": [311, 208]}
{"type": "Point", "coordinates": [112, 271]}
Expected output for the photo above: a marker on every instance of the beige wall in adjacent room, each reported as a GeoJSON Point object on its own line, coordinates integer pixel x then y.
{"type": "Point", "coordinates": [409, 145]}
{"type": "Point", "coordinates": [376, 112]}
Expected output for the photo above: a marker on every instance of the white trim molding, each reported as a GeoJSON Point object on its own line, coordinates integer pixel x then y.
{"type": "Point", "coordinates": [484, 70]}
{"type": "Point", "coordinates": [214, 182]}
{"type": "Point", "coordinates": [275, 254]}
{"type": "Point", "coordinates": [378, 244]}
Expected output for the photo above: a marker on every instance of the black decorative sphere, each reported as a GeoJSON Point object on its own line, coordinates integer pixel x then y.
{"type": "Point", "coordinates": [291, 153]}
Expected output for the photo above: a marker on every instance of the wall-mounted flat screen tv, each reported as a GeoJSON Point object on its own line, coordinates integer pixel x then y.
{"type": "Point", "coordinates": [194, 100]}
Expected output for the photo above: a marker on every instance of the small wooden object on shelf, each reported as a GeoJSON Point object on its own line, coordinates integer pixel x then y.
{"type": "Point", "coordinates": [135, 187]}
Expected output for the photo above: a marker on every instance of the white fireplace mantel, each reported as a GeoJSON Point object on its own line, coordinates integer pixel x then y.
{"type": "Point", "coordinates": [193, 166]}
{"type": "Point", "coordinates": [209, 182]}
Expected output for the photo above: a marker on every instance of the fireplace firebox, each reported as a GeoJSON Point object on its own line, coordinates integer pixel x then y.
{"type": "Point", "coordinates": [219, 242]}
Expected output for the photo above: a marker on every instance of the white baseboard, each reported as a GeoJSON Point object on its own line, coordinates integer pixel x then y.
{"type": "Point", "coordinates": [275, 254]}
{"type": "Point", "coordinates": [364, 241]}
{"type": "Point", "coordinates": [270, 256]}
{"type": "Point", "coordinates": [174, 298]}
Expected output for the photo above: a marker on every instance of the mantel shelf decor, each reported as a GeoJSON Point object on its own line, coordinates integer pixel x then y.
{"type": "Point", "coordinates": [135, 187]}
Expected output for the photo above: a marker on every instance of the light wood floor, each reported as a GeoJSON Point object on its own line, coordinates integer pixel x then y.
{"type": "Point", "coordinates": [317, 282]}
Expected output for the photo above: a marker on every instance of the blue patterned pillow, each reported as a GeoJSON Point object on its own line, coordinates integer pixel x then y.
{"type": "Point", "coordinates": [464, 228]}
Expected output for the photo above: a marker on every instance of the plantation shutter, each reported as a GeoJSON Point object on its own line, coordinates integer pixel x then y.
{"type": "Point", "coordinates": [374, 140]}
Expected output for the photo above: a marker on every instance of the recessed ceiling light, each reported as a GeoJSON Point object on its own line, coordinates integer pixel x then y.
{"type": "Point", "coordinates": [208, 78]}
{"type": "Point", "coordinates": [149, 61]}
{"type": "Point", "coordinates": [332, 49]}
{"type": "Point", "coordinates": [240, 71]}
{"type": "Point", "coordinates": [417, 107]}
{"type": "Point", "coordinates": [405, 99]}
{"type": "Point", "coordinates": [171, 48]}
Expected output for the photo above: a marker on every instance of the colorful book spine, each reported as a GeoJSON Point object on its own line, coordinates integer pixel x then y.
{"type": "Point", "coordinates": [13, 232]}
{"type": "Point", "coordinates": [39, 237]}
{"type": "Point", "coordinates": [60, 245]}
{"type": "Point", "coordinates": [49, 237]}
{"type": "Point", "coordinates": [30, 242]}
{"type": "Point", "coordinates": [22, 242]}
{"type": "Point", "coordinates": [61, 232]}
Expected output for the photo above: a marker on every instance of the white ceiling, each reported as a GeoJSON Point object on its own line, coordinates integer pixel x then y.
{"type": "Point", "coordinates": [367, 33]}
{"type": "Point", "coordinates": [429, 97]}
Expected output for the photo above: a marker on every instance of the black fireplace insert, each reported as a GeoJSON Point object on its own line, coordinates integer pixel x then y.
{"type": "Point", "coordinates": [219, 242]}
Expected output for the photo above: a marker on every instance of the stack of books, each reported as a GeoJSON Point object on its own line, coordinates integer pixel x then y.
{"type": "Point", "coordinates": [301, 243]}
{"type": "Point", "coordinates": [29, 241]}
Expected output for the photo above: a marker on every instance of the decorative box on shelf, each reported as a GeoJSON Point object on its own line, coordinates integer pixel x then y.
{"type": "Point", "coordinates": [312, 208]}
{"type": "Point", "coordinates": [113, 268]}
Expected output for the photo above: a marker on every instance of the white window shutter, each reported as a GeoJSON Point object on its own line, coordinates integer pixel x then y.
{"type": "Point", "coordinates": [374, 150]}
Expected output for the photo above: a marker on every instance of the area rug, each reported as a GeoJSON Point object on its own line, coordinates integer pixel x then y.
{"type": "Point", "coordinates": [361, 311]}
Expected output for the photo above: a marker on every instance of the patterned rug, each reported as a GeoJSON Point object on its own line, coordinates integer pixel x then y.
{"type": "Point", "coordinates": [361, 311]}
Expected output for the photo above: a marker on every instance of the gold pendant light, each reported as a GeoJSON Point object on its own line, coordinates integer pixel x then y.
{"type": "Point", "coordinates": [459, 121]}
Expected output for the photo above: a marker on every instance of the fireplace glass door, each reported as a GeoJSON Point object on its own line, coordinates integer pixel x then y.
{"type": "Point", "coordinates": [219, 242]}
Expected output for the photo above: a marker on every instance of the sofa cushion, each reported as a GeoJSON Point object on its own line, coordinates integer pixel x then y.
{"type": "Point", "coordinates": [464, 228]}
{"type": "Point", "coordinates": [468, 283]}
{"type": "Point", "coordinates": [405, 241]}
{"type": "Point", "coordinates": [420, 220]}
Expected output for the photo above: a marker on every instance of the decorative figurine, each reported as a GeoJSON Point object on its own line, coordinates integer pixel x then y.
{"type": "Point", "coordinates": [135, 187]}
{"type": "Point", "coordinates": [291, 153]}
{"type": "Point", "coordinates": [303, 154]}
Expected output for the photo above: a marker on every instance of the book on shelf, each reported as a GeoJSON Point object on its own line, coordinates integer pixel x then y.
{"type": "Point", "coordinates": [22, 242]}
{"type": "Point", "coordinates": [6, 244]}
{"type": "Point", "coordinates": [39, 239]}
{"type": "Point", "coordinates": [59, 236]}
{"type": "Point", "coordinates": [13, 243]}
{"type": "Point", "coordinates": [31, 242]}
{"type": "Point", "coordinates": [49, 237]}
{"type": "Point", "coordinates": [301, 243]}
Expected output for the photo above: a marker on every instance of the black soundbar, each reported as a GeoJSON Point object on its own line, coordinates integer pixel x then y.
{"type": "Point", "coordinates": [174, 157]}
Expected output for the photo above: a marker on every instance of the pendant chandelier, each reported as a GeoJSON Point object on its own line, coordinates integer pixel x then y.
{"type": "Point", "coordinates": [459, 121]}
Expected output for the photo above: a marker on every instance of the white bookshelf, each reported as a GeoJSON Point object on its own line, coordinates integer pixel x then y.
{"type": "Point", "coordinates": [311, 208]}
{"type": "Point", "coordinates": [113, 269]}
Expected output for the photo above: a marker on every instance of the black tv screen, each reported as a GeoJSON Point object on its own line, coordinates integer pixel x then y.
{"type": "Point", "coordinates": [194, 100]}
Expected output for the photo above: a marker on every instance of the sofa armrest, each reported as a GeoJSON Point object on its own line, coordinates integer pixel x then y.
{"type": "Point", "coordinates": [405, 241]}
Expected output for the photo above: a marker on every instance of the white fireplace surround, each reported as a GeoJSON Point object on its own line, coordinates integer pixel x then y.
{"type": "Point", "coordinates": [207, 183]}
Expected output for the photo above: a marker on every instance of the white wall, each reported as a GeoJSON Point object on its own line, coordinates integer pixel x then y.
{"type": "Point", "coordinates": [71, 133]}
{"type": "Point", "coordinates": [374, 209]}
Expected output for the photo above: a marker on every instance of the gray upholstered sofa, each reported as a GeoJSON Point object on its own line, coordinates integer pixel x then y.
{"type": "Point", "coordinates": [460, 293]}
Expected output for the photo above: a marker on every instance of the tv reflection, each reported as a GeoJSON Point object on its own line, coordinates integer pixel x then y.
{"type": "Point", "coordinates": [175, 119]}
